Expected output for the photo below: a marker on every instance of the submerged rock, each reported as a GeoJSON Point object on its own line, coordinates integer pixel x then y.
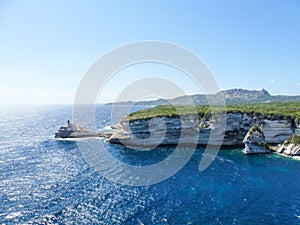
{"type": "Point", "coordinates": [291, 146]}
{"type": "Point", "coordinates": [255, 142]}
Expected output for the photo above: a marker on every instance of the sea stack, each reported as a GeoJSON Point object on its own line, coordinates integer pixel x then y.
{"type": "Point", "coordinates": [255, 141]}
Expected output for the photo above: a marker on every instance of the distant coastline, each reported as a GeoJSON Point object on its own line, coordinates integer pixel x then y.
{"type": "Point", "coordinates": [231, 96]}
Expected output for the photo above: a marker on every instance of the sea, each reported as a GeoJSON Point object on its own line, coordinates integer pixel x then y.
{"type": "Point", "coordinates": [48, 181]}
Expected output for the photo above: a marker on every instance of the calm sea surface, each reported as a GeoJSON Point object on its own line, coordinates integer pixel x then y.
{"type": "Point", "coordinates": [46, 181]}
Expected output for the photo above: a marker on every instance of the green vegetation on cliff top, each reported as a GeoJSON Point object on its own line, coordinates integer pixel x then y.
{"type": "Point", "coordinates": [294, 139]}
{"type": "Point", "coordinates": [272, 111]}
{"type": "Point", "coordinates": [255, 128]}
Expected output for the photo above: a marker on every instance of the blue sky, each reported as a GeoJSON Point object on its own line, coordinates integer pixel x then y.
{"type": "Point", "coordinates": [47, 46]}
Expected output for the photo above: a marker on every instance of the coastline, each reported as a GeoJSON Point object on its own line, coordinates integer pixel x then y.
{"type": "Point", "coordinates": [162, 126]}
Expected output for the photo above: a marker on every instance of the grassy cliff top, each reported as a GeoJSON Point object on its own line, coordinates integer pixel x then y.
{"type": "Point", "coordinates": [273, 111]}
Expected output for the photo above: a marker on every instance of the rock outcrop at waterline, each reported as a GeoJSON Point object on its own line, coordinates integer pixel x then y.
{"type": "Point", "coordinates": [168, 130]}
{"type": "Point", "coordinates": [291, 146]}
{"type": "Point", "coordinates": [255, 142]}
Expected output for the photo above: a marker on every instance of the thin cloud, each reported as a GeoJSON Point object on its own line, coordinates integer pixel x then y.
{"type": "Point", "coordinates": [9, 91]}
{"type": "Point", "coordinates": [9, 95]}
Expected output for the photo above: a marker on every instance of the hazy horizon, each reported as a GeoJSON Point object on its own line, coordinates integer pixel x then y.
{"type": "Point", "coordinates": [108, 102]}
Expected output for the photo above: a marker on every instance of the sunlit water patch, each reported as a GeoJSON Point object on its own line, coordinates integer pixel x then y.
{"type": "Point", "coordinates": [46, 181]}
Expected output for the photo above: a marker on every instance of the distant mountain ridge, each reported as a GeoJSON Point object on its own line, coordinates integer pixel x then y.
{"type": "Point", "coordinates": [231, 96]}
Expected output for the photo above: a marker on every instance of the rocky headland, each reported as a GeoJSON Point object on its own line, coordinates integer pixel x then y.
{"type": "Point", "coordinates": [232, 129]}
{"type": "Point", "coordinates": [291, 146]}
{"type": "Point", "coordinates": [237, 126]}
{"type": "Point", "coordinates": [278, 118]}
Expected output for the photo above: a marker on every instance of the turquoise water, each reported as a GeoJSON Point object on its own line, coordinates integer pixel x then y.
{"type": "Point", "coordinates": [45, 181]}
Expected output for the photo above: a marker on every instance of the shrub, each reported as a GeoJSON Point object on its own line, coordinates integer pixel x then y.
{"type": "Point", "coordinates": [294, 139]}
{"type": "Point", "coordinates": [273, 111]}
{"type": "Point", "coordinates": [255, 128]}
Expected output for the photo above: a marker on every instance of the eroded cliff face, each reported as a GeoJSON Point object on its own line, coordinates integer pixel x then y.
{"type": "Point", "coordinates": [171, 130]}
{"type": "Point", "coordinates": [157, 131]}
{"type": "Point", "coordinates": [297, 129]}
{"type": "Point", "coordinates": [277, 131]}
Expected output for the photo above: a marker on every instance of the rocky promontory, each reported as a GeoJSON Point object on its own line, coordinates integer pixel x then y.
{"type": "Point", "coordinates": [291, 146]}
{"type": "Point", "coordinates": [167, 130]}
{"type": "Point", "coordinates": [253, 126]}
{"type": "Point", "coordinates": [255, 142]}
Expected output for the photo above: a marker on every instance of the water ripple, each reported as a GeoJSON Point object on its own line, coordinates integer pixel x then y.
{"type": "Point", "coordinates": [45, 181]}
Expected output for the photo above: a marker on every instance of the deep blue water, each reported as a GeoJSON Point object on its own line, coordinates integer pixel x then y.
{"type": "Point", "coordinates": [46, 181]}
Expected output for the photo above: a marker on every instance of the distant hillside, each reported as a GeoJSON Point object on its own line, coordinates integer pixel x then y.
{"type": "Point", "coordinates": [232, 96]}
